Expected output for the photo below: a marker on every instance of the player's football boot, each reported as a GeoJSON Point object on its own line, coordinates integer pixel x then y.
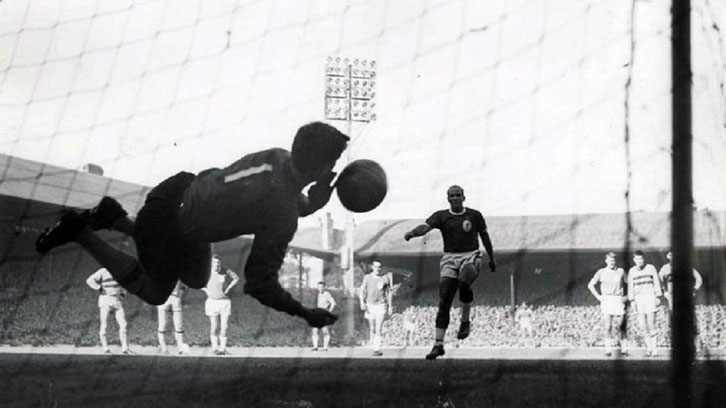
{"type": "Point", "coordinates": [127, 352]}
{"type": "Point", "coordinates": [104, 214]}
{"type": "Point", "coordinates": [63, 232]}
{"type": "Point", "coordinates": [436, 351]}
{"type": "Point", "coordinates": [464, 330]}
{"type": "Point", "coordinates": [377, 353]}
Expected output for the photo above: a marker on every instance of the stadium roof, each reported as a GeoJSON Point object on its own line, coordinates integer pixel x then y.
{"type": "Point", "coordinates": [31, 180]}
{"type": "Point", "coordinates": [586, 232]}
{"type": "Point", "coordinates": [26, 179]}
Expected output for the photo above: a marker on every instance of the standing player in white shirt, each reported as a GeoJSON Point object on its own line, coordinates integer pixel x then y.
{"type": "Point", "coordinates": [324, 301]}
{"type": "Point", "coordinates": [218, 306]}
{"type": "Point", "coordinates": [376, 298]}
{"type": "Point", "coordinates": [173, 305]}
{"type": "Point", "coordinates": [612, 301]}
{"type": "Point", "coordinates": [109, 300]}
{"type": "Point", "coordinates": [644, 290]}
{"type": "Point", "coordinates": [524, 316]}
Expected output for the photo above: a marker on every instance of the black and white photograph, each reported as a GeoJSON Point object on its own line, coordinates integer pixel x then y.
{"type": "Point", "coordinates": [363, 203]}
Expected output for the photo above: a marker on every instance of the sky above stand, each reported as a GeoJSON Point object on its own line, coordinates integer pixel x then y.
{"type": "Point", "coordinates": [523, 103]}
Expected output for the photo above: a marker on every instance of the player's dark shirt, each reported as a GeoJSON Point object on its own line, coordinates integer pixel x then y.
{"type": "Point", "coordinates": [255, 195]}
{"type": "Point", "coordinates": [460, 232]}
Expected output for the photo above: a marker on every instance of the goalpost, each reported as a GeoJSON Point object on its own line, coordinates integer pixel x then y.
{"type": "Point", "coordinates": [682, 333]}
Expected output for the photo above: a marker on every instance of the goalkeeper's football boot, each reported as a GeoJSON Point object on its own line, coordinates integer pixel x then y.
{"type": "Point", "coordinates": [64, 231]}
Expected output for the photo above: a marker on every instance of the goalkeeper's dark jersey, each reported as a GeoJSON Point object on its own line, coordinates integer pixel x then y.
{"type": "Point", "coordinates": [255, 194]}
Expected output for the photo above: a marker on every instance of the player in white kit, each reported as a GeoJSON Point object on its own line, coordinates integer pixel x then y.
{"type": "Point", "coordinates": [324, 301]}
{"type": "Point", "coordinates": [376, 298]}
{"type": "Point", "coordinates": [644, 291]}
{"type": "Point", "coordinates": [612, 301]}
{"type": "Point", "coordinates": [174, 305]}
{"type": "Point", "coordinates": [109, 300]}
{"type": "Point", "coordinates": [218, 306]}
{"type": "Point", "coordinates": [524, 317]}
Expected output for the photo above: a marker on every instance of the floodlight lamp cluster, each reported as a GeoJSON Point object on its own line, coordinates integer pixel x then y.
{"type": "Point", "coordinates": [350, 89]}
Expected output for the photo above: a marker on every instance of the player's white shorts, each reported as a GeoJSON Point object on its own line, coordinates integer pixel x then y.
{"type": "Point", "coordinates": [174, 303]}
{"type": "Point", "coordinates": [377, 312]}
{"type": "Point", "coordinates": [452, 262]}
{"type": "Point", "coordinates": [110, 302]}
{"type": "Point", "coordinates": [216, 307]}
{"type": "Point", "coordinates": [645, 303]}
{"type": "Point", "coordinates": [612, 305]}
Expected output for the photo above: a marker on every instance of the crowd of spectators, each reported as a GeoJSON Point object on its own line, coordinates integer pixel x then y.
{"type": "Point", "coordinates": [70, 316]}
{"type": "Point", "coordinates": [553, 326]}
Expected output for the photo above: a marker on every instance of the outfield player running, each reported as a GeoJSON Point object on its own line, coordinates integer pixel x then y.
{"type": "Point", "coordinates": [174, 305]}
{"type": "Point", "coordinates": [612, 301]}
{"type": "Point", "coordinates": [666, 277]}
{"type": "Point", "coordinates": [259, 194]}
{"type": "Point", "coordinates": [324, 301]}
{"type": "Point", "coordinates": [644, 290]}
{"type": "Point", "coordinates": [376, 297]}
{"type": "Point", "coordinates": [218, 306]}
{"type": "Point", "coordinates": [461, 229]}
{"type": "Point", "coordinates": [109, 300]}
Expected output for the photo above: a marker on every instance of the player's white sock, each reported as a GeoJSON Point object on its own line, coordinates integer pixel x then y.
{"type": "Point", "coordinates": [104, 342]}
{"type": "Point", "coordinates": [466, 312]}
{"type": "Point", "coordinates": [608, 344]}
{"type": "Point", "coordinates": [162, 340]}
{"type": "Point", "coordinates": [215, 340]}
{"type": "Point", "coordinates": [315, 339]}
{"type": "Point", "coordinates": [179, 337]}
{"type": "Point", "coordinates": [377, 342]}
{"type": "Point", "coordinates": [124, 339]}
{"type": "Point", "coordinates": [326, 341]}
{"type": "Point", "coordinates": [223, 343]}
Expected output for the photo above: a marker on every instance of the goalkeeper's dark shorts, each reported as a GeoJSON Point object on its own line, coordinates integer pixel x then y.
{"type": "Point", "coordinates": [163, 251]}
